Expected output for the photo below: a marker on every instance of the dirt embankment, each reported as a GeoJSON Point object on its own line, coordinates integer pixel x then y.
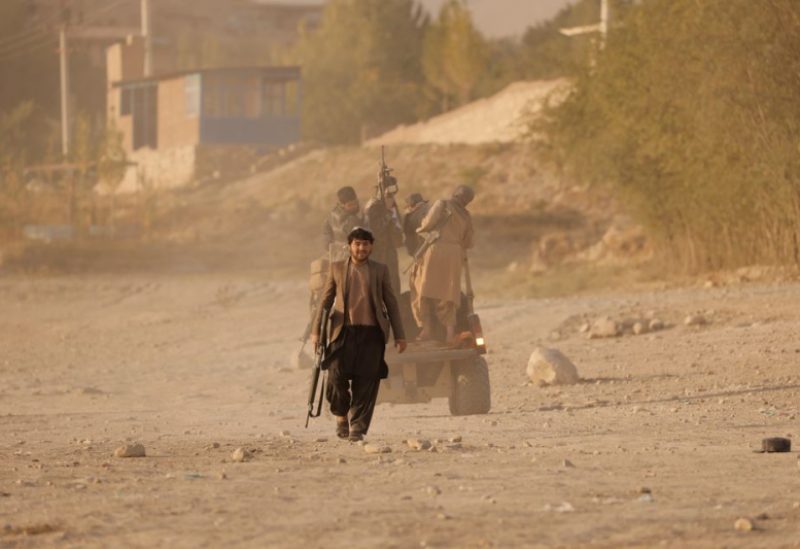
{"type": "Point", "coordinates": [272, 220]}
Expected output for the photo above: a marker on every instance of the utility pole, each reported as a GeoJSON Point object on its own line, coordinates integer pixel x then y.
{"type": "Point", "coordinates": [148, 39]}
{"type": "Point", "coordinates": [601, 27]}
{"type": "Point", "coordinates": [64, 66]}
{"type": "Point", "coordinates": [603, 21]}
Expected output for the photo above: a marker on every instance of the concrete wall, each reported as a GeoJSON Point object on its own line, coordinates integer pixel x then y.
{"type": "Point", "coordinates": [161, 169]}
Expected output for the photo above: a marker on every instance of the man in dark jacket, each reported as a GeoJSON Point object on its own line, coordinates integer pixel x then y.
{"type": "Point", "coordinates": [344, 217]}
{"type": "Point", "coordinates": [363, 309]}
{"type": "Point", "coordinates": [416, 210]}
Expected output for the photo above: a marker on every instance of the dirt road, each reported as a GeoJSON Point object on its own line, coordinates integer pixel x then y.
{"type": "Point", "coordinates": [654, 447]}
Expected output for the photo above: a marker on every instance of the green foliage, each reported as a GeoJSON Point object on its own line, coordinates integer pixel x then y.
{"type": "Point", "coordinates": [455, 54]}
{"type": "Point", "coordinates": [361, 69]}
{"type": "Point", "coordinates": [14, 152]}
{"type": "Point", "coordinates": [691, 113]}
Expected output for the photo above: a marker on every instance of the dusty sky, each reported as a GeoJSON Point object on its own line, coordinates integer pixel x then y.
{"type": "Point", "coordinates": [495, 18]}
{"type": "Point", "coordinates": [498, 18]}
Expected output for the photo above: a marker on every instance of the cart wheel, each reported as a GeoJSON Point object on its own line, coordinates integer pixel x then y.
{"type": "Point", "coordinates": [470, 392]}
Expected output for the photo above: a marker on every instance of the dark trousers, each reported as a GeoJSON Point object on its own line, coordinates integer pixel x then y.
{"type": "Point", "coordinates": [354, 375]}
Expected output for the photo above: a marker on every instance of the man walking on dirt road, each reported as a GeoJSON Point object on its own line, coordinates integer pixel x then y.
{"type": "Point", "coordinates": [363, 307]}
{"type": "Point", "coordinates": [437, 294]}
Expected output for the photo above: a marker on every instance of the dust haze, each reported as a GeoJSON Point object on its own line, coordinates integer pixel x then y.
{"type": "Point", "coordinates": [157, 243]}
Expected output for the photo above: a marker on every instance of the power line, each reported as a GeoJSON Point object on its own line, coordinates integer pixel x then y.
{"type": "Point", "coordinates": [47, 40]}
{"type": "Point", "coordinates": [36, 41]}
{"type": "Point", "coordinates": [23, 35]}
{"type": "Point", "coordinates": [34, 35]}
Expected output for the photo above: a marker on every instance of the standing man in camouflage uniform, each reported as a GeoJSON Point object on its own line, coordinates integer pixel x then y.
{"type": "Point", "coordinates": [346, 216]}
{"type": "Point", "coordinates": [438, 284]}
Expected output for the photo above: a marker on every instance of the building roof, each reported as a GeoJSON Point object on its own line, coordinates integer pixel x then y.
{"type": "Point", "coordinates": [288, 72]}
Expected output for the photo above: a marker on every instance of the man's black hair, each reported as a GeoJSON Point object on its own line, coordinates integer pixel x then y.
{"type": "Point", "coordinates": [346, 194]}
{"type": "Point", "coordinates": [359, 233]}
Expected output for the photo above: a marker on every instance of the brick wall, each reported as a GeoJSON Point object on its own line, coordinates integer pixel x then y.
{"type": "Point", "coordinates": [176, 126]}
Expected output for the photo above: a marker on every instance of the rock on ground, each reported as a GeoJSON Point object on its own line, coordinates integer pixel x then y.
{"type": "Point", "coordinates": [240, 455]}
{"type": "Point", "coordinates": [550, 367]}
{"type": "Point", "coordinates": [418, 444]}
{"type": "Point", "coordinates": [656, 324]}
{"type": "Point", "coordinates": [130, 451]}
{"type": "Point", "coordinates": [695, 320]}
{"type": "Point", "coordinates": [604, 327]}
{"type": "Point", "coordinates": [376, 449]}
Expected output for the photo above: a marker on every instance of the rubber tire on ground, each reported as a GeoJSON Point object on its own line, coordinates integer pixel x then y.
{"type": "Point", "coordinates": [470, 392]}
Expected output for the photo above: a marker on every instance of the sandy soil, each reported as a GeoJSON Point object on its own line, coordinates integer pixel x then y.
{"type": "Point", "coordinates": [182, 362]}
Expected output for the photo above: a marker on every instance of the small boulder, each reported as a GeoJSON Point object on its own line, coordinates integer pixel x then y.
{"type": "Point", "coordinates": [240, 455]}
{"type": "Point", "coordinates": [130, 451]}
{"type": "Point", "coordinates": [639, 328]}
{"type": "Point", "coordinates": [604, 327]}
{"type": "Point", "coordinates": [377, 449]}
{"type": "Point", "coordinates": [656, 324]}
{"type": "Point", "coordinates": [744, 525]}
{"type": "Point", "coordinates": [695, 320]}
{"type": "Point", "coordinates": [548, 366]}
{"type": "Point", "coordinates": [418, 444]}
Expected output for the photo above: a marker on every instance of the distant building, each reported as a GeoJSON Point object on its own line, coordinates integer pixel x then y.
{"type": "Point", "coordinates": [169, 122]}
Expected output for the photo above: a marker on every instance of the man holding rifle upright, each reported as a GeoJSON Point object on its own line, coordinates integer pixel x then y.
{"type": "Point", "coordinates": [448, 233]}
{"type": "Point", "coordinates": [363, 308]}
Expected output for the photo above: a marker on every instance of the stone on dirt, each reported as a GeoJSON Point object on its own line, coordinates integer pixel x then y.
{"type": "Point", "coordinates": [433, 490]}
{"type": "Point", "coordinates": [240, 455]}
{"type": "Point", "coordinates": [547, 366]}
{"type": "Point", "coordinates": [130, 451]}
{"type": "Point", "coordinates": [640, 328]}
{"type": "Point", "coordinates": [418, 444]}
{"type": "Point", "coordinates": [376, 449]}
{"type": "Point", "coordinates": [604, 327]}
{"type": "Point", "coordinates": [656, 324]}
{"type": "Point", "coordinates": [744, 525]}
{"type": "Point", "coordinates": [695, 320]}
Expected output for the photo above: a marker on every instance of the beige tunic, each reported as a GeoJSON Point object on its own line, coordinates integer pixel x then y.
{"type": "Point", "coordinates": [440, 270]}
{"type": "Point", "coordinates": [360, 309]}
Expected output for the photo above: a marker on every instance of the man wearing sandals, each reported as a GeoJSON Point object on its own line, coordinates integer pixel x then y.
{"type": "Point", "coordinates": [363, 307]}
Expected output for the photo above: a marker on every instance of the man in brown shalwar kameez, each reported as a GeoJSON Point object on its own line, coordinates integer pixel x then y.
{"type": "Point", "coordinates": [438, 284]}
{"type": "Point", "coordinates": [363, 308]}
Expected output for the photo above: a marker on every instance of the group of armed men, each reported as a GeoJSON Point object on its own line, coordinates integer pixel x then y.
{"type": "Point", "coordinates": [436, 235]}
{"type": "Point", "coordinates": [363, 281]}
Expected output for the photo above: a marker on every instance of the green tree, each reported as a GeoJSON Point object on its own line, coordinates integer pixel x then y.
{"type": "Point", "coordinates": [14, 152]}
{"type": "Point", "coordinates": [455, 54]}
{"type": "Point", "coordinates": [361, 69]}
{"type": "Point", "coordinates": [690, 114]}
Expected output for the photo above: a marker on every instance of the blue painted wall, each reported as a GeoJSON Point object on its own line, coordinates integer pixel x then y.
{"type": "Point", "coordinates": [277, 131]}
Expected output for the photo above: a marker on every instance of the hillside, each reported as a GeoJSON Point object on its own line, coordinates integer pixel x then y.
{"type": "Point", "coordinates": [528, 217]}
{"type": "Point", "coordinates": [499, 118]}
